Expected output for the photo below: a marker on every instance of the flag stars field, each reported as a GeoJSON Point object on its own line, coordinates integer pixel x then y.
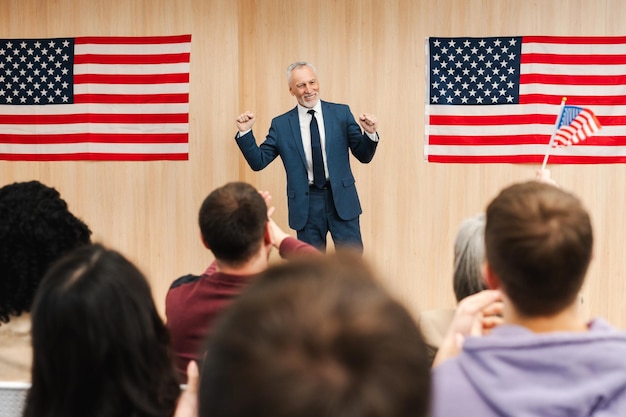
{"type": "Point", "coordinates": [479, 72]}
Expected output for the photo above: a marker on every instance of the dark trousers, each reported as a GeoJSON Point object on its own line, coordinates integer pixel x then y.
{"type": "Point", "coordinates": [323, 218]}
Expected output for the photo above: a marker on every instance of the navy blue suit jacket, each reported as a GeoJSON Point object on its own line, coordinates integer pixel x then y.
{"type": "Point", "coordinates": [284, 140]}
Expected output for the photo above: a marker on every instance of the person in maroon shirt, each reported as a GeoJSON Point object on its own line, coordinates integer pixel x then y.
{"type": "Point", "coordinates": [236, 227]}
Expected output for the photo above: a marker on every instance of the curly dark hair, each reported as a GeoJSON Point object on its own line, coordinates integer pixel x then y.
{"type": "Point", "coordinates": [36, 229]}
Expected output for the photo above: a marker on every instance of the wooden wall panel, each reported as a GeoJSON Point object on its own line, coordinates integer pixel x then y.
{"type": "Point", "coordinates": [370, 55]}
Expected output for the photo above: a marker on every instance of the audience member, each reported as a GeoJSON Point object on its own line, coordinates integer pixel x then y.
{"type": "Point", "coordinates": [545, 360]}
{"type": "Point", "coordinates": [100, 347]}
{"type": "Point", "coordinates": [235, 227]}
{"type": "Point", "coordinates": [469, 256]}
{"type": "Point", "coordinates": [315, 338]}
{"type": "Point", "coordinates": [36, 228]}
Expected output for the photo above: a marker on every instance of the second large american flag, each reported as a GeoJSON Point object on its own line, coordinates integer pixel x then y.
{"type": "Point", "coordinates": [496, 99]}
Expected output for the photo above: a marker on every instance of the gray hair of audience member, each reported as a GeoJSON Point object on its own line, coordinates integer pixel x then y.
{"type": "Point", "coordinates": [299, 64]}
{"type": "Point", "coordinates": [469, 256]}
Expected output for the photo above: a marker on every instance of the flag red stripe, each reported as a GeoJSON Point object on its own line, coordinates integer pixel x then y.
{"type": "Point", "coordinates": [532, 58]}
{"type": "Point", "coordinates": [586, 159]}
{"type": "Point", "coordinates": [130, 99]}
{"type": "Point", "coordinates": [95, 157]}
{"type": "Point", "coordinates": [518, 140]}
{"type": "Point", "coordinates": [133, 40]}
{"type": "Point", "coordinates": [131, 59]}
{"type": "Point", "coordinates": [527, 159]}
{"type": "Point", "coordinates": [577, 40]}
{"type": "Point", "coordinates": [488, 140]}
{"type": "Point", "coordinates": [492, 120]}
{"type": "Point", "coordinates": [56, 119]}
{"type": "Point", "coordinates": [480, 159]}
{"type": "Point", "coordinates": [514, 119]}
{"type": "Point", "coordinates": [573, 100]}
{"type": "Point", "coordinates": [95, 138]}
{"type": "Point", "coordinates": [131, 78]}
{"type": "Point", "coordinates": [573, 79]}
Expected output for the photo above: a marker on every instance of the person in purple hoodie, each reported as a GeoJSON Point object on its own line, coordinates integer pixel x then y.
{"type": "Point", "coordinates": [544, 359]}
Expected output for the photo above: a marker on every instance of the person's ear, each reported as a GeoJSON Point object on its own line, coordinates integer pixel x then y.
{"type": "Point", "coordinates": [491, 279]}
{"type": "Point", "coordinates": [267, 236]}
{"type": "Point", "coordinates": [206, 245]}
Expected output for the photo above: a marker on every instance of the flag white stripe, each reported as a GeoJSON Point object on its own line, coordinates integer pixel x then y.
{"type": "Point", "coordinates": [496, 130]}
{"type": "Point", "coordinates": [518, 109]}
{"type": "Point", "coordinates": [571, 69]}
{"type": "Point", "coordinates": [511, 130]}
{"type": "Point", "coordinates": [131, 49]}
{"type": "Point", "coordinates": [573, 90]}
{"type": "Point", "coordinates": [108, 128]}
{"type": "Point", "coordinates": [131, 69]}
{"type": "Point", "coordinates": [498, 110]}
{"type": "Point", "coordinates": [506, 150]}
{"type": "Point", "coordinates": [88, 147]}
{"type": "Point", "coordinates": [60, 109]}
{"type": "Point", "coordinates": [131, 89]}
{"type": "Point", "coordinates": [573, 48]}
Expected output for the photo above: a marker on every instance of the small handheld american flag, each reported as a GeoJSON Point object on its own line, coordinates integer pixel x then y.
{"type": "Point", "coordinates": [576, 124]}
{"type": "Point", "coordinates": [573, 125]}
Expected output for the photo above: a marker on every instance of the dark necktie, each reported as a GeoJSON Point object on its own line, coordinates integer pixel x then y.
{"type": "Point", "coordinates": [319, 177]}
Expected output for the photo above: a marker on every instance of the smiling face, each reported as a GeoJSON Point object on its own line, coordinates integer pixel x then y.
{"type": "Point", "coordinates": [304, 86]}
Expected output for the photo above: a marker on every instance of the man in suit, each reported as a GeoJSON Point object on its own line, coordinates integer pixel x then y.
{"type": "Point", "coordinates": [313, 140]}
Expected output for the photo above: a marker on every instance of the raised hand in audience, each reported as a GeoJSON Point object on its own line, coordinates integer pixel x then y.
{"type": "Point", "coordinates": [475, 315]}
{"type": "Point", "coordinates": [188, 402]}
{"type": "Point", "coordinates": [543, 175]}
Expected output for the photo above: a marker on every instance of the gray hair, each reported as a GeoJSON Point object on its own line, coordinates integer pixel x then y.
{"type": "Point", "coordinates": [299, 64]}
{"type": "Point", "coordinates": [469, 255]}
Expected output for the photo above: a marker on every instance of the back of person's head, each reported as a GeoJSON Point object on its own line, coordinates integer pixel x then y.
{"type": "Point", "coordinates": [99, 345]}
{"type": "Point", "coordinates": [469, 255]}
{"type": "Point", "coordinates": [232, 221]}
{"type": "Point", "coordinates": [315, 337]}
{"type": "Point", "coordinates": [36, 228]}
{"type": "Point", "coordinates": [538, 243]}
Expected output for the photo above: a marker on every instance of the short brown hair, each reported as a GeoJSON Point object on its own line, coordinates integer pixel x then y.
{"type": "Point", "coordinates": [232, 221]}
{"type": "Point", "coordinates": [315, 338]}
{"type": "Point", "coordinates": [538, 241]}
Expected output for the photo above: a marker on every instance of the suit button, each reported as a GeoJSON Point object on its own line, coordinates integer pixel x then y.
{"type": "Point", "coordinates": [306, 193]}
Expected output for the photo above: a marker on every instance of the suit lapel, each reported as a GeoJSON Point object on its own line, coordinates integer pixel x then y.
{"type": "Point", "coordinates": [294, 124]}
{"type": "Point", "coordinates": [328, 129]}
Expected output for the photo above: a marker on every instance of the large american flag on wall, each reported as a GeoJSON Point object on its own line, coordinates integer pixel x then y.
{"type": "Point", "coordinates": [496, 99]}
{"type": "Point", "coordinates": [95, 98]}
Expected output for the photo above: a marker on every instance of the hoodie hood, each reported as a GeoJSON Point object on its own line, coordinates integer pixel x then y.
{"type": "Point", "coordinates": [516, 372]}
